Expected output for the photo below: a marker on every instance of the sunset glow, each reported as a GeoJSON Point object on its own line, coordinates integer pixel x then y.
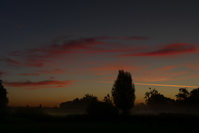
{"type": "Point", "coordinates": [53, 52]}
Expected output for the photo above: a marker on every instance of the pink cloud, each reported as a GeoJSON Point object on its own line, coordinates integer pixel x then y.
{"type": "Point", "coordinates": [84, 45]}
{"type": "Point", "coordinates": [40, 84]}
{"type": "Point", "coordinates": [39, 57]}
{"type": "Point", "coordinates": [170, 49]}
{"type": "Point", "coordinates": [74, 46]}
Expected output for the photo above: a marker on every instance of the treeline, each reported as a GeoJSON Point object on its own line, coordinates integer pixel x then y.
{"type": "Point", "coordinates": [121, 100]}
{"type": "Point", "coordinates": [91, 105]}
{"type": "Point", "coordinates": [153, 100]}
{"type": "Point", "coordinates": [183, 98]}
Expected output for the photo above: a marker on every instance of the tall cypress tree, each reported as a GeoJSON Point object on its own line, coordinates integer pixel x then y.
{"type": "Point", "coordinates": [123, 92]}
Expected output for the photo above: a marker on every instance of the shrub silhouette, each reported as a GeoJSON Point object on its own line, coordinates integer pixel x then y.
{"type": "Point", "coordinates": [123, 92]}
{"type": "Point", "coordinates": [3, 99]}
{"type": "Point", "coordinates": [79, 105]}
{"type": "Point", "coordinates": [102, 110]}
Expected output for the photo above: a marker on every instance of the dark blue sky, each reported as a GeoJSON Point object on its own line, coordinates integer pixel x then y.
{"type": "Point", "coordinates": [43, 20]}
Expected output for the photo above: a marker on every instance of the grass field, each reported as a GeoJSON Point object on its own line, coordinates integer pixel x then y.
{"type": "Point", "coordinates": [161, 123]}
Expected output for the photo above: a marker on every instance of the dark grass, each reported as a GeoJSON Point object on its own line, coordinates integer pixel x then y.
{"type": "Point", "coordinates": [38, 121]}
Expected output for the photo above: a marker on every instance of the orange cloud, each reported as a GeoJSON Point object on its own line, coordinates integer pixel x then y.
{"type": "Point", "coordinates": [170, 49]}
{"type": "Point", "coordinates": [162, 76]}
{"type": "Point", "coordinates": [40, 84]}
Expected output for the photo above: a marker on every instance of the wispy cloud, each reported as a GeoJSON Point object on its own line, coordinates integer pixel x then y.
{"type": "Point", "coordinates": [167, 68]}
{"type": "Point", "coordinates": [123, 38]}
{"type": "Point", "coordinates": [170, 49]}
{"type": "Point", "coordinates": [166, 85]}
{"type": "Point", "coordinates": [144, 73]}
{"type": "Point", "coordinates": [51, 50]}
{"type": "Point", "coordinates": [82, 45]}
{"type": "Point", "coordinates": [161, 73]}
{"type": "Point", "coordinates": [40, 56]}
{"type": "Point", "coordinates": [40, 84]}
{"type": "Point", "coordinates": [147, 84]}
{"type": "Point", "coordinates": [21, 63]}
{"type": "Point", "coordinates": [44, 72]}
{"type": "Point", "coordinates": [193, 66]}
{"type": "Point", "coordinates": [2, 73]}
{"type": "Point", "coordinates": [114, 68]}
{"type": "Point", "coordinates": [10, 61]}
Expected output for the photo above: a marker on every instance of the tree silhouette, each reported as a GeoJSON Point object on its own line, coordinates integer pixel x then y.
{"type": "Point", "coordinates": [194, 97]}
{"type": "Point", "coordinates": [183, 96]}
{"type": "Point", "coordinates": [154, 98]}
{"type": "Point", "coordinates": [108, 99]}
{"type": "Point", "coordinates": [88, 98]}
{"type": "Point", "coordinates": [123, 92]}
{"type": "Point", "coordinates": [3, 98]}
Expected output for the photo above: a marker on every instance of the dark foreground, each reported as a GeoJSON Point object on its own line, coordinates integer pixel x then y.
{"type": "Point", "coordinates": [162, 123]}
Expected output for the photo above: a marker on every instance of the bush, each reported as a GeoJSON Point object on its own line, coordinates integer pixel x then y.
{"type": "Point", "coordinates": [102, 110]}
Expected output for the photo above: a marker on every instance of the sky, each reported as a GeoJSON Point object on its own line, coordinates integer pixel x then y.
{"type": "Point", "coordinates": [53, 51]}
